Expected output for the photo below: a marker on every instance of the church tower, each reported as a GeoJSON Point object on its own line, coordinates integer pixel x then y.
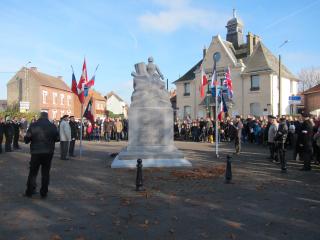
{"type": "Point", "coordinates": [234, 31]}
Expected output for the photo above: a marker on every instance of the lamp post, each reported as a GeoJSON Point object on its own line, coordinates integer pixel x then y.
{"type": "Point", "coordinates": [279, 78]}
{"type": "Point", "coordinates": [216, 58]}
{"type": "Point", "coordinates": [26, 80]}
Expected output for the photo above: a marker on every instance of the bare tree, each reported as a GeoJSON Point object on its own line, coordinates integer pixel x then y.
{"type": "Point", "coordinates": [309, 77]}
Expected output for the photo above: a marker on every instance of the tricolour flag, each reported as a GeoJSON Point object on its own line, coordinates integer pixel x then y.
{"type": "Point", "coordinates": [91, 82]}
{"type": "Point", "coordinates": [82, 82]}
{"type": "Point", "coordinates": [204, 81]}
{"type": "Point", "coordinates": [214, 81]}
{"type": "Point", "coordinates": [228, 83]}
{"type": "Point", "coordinates": [223, 108]}
{"type": "Point", "coordinates": [74, 84]}
{"type": "Point", "coordinates": [88, 113]}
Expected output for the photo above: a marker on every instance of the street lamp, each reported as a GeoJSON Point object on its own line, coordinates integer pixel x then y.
{"type": "Point", "coordinates": [279, 76]}
{"type": "Point", "coordinates": [26, 81]}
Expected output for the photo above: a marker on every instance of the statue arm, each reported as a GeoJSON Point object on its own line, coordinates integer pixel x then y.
{"type": "Point", "coordinates": [159, 72]}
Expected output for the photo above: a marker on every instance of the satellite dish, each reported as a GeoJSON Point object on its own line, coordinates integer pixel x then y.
{"type": "Point", "coordinates": [216, 56]}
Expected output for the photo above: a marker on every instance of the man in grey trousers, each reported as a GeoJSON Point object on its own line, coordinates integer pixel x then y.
{"type": "Point", "coordinates": [65, 137]}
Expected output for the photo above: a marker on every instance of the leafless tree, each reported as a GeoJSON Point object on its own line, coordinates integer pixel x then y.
{"type": "Point", "coordinates": [309, 77]}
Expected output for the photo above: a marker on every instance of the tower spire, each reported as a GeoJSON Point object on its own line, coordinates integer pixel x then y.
{"type": "Point", "coordinates": [234, 13]}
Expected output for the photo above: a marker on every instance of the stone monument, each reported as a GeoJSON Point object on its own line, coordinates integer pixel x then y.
{"type": "Point", "coordinates": [150, 123]}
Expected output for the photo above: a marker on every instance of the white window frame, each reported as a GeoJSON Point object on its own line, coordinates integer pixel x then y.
{"type": "Point", "coordinates": [54, 113]}
{"type": "Point", "coordinates": [44, 96]}
{"type": "Point", "coordinates": [54, 98]}
{"type": "Point", "coordinates": [68, 100]}
{"type": "Point", "coordinates": [61, 99]}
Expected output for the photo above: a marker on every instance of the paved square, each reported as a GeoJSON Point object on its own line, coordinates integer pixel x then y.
{"type": "Point", "coordinates": [89, 200]}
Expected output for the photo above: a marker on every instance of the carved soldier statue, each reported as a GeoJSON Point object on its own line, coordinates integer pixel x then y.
{"type": "Point", "coordinates": [153, 69]}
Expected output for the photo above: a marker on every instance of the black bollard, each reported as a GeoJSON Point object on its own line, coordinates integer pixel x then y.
{"type": "Point", "coordinates": [139, 179]}
{"type": "Point", "coordinates": [228, 170]}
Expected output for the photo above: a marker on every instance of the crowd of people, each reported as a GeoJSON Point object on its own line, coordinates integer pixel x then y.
{"type": "Point", "coordinates": [301, 134]}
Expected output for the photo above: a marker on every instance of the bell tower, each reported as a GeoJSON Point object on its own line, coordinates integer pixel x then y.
{"type": "Point", "coordinates": [235, 31]}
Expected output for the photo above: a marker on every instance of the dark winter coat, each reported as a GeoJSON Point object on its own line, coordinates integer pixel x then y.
{"type": "Point", "coordinates": [42, 134]}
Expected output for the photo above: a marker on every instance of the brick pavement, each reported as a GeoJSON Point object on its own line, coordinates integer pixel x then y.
{"type": "Point", "coordinates": [89, 200]}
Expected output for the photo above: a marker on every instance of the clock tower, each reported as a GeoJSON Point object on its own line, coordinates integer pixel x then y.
{"type": "Point", "coordinates": [234, 31]}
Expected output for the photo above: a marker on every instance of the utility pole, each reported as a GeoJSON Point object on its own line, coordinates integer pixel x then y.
{"type": "Point", "coordinates": [279, 79]}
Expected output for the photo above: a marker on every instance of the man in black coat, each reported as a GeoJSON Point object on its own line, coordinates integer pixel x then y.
{"type": "Point", "coordinates": [1, 132]}
{"type": "Point", "coordinates": [305, 141]}
{"type": "Point", "coordinates": [74, 133]}
{"type": "Point", "coordinates": [16, 126]}
{"type": "Point", "coordinates": [280, 141]}
{"type": "Point", "coordinates": [42, 134]}
{"type": "Point", "coordinates": [8, 132]}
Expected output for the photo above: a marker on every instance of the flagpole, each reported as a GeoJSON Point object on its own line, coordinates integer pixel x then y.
{"type": "Point", "coordinates": [81, 127]}
{"type": "Point", "coordinates": [217, 122]}
{"type": "Point", "coordinates": [216, 58]}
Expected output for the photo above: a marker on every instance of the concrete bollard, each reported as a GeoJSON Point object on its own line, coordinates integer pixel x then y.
{"type": "Point", "coordinates": [228, 176]}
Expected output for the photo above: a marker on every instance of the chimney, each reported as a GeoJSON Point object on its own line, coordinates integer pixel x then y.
{"type": "Point", "coordinates": [35, 69]}
{"type": "Point", "coordinates": [204, 51]}
{"type": "Point", "coordinates": [249, 43]}
{"type": "Point", "coordinates": [256, 39]}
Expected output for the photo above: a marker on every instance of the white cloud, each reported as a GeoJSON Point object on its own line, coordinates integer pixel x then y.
{"type": "Point", "coordinates": [179, 13]}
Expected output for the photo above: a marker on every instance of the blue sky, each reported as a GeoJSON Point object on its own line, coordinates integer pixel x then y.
{"type": "Point", "coordinates": [117, 34]}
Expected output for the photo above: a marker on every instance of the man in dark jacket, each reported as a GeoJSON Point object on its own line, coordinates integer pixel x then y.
{"type": "Point", "coordinates": [16, 126]}
{"type": "Point", "coordinates": [42, 134]}
{"type": "Point", "coordinates": [305, 141]}
{"type": "Point", "coordinates": [280, 141]}
{"type": "Point", "coordinates": [8, 132]}
{"type": "Point", "coordinates": [1, 132]}
{"type": "Point", "coordinates": [74, 132]}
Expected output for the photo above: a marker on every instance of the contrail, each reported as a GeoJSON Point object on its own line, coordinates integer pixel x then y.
{"type": "Point", "coordinates": [292, 14]}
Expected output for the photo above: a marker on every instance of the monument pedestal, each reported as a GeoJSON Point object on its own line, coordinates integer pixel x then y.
{"type": "Point", "coordinates": [150, 125]}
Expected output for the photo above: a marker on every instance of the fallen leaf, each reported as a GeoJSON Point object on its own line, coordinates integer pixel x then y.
{"type": "Point", "coordinates": [56, 237]}
{"type": "Point", "coordinates": [204, 235]}
{"type": "Point", "coordinates": [171, 230]}
{"type": "Point", "coordinates": [200, 173]}
{"type": "Point", "coordinates": [80, 238]}
{"type": "Point", "coordinates": [146, 221]}
{"type": "Point", "coordinates": [125, 201]}
{"type": "Point", "coordinates": [92, 214]}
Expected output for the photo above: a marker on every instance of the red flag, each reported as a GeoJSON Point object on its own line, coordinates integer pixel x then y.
{"type": "Point", "coordinates": [74, 84]}
{"type": "Point", "coordinates": [228, 83]}
{"type": "Point", "coordinates": [204, 81]}
{"type": "Point", "coordinates": [91, 82]}
{"type": "Point", "coordinates": [83, 81]}
{"type": "Point", "coordinates": [88, 113]}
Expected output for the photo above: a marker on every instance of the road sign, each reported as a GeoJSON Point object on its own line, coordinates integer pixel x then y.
{"type": "Point", "coordinates": [24, 106]}
{"type": "Point", "coordinates": [294, 99]}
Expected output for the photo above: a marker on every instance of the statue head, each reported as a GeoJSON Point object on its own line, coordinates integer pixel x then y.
{"type": "Point", "coordinates": [150, 59]}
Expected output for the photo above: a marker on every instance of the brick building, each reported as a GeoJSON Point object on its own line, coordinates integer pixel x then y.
{"type": "Point", "coordinates": [98, 105]}
{"type": "Point", "coordinates": [38, 91]}
{"type": "Point", "coordinates": [312, 100]}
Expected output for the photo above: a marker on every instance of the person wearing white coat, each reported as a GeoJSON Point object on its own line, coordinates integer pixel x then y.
{"type": "Point", "coordinates": [65, 137]}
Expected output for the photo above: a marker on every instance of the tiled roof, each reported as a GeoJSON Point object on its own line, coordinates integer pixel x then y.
{"type": "Point", "coordinates": [263, 60]}
{"type": "Point", "coordinates": [312, 90]}
{"type": "Point", "coordinates": [47, 80]}
{"type": "Point", "coordinates": [96, 95]}
{"type": "Point", "coordinates": [112, 93]}
{"type": "Point", "coordinates": [189, 76]}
